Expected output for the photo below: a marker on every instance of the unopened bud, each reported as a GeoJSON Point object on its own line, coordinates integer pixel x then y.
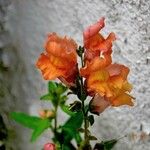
{"type": "Point", "coordinates": [42, 114]}
{"type": "Point", "coordinates": [50, 114]}
{"type": "Point", "coordinates": [46, 114]}
{"type": "Point", "coordinates": [49, 146]}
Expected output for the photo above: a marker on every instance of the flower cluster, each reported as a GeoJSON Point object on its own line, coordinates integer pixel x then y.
{"type": "Point", "coordinates": [104, 81]}
{"type": "Point", "coordinates": [97, 77]}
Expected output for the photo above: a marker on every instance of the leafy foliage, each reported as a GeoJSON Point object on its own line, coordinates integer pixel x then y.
{"type": "Point", "coordinates": [55, 93]}
{"type": "Point", "coordinates": [37, 124]}
{"type": "Point", "coordinates": [69, 129]}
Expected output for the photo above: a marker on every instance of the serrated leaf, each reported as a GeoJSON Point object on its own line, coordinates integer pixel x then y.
{"type": "Point", "coordinates": [42, 126]}
{"type": "Point", "coordinates": [91, 119]}
{"type": "Point", "coordinates": [26, 120]}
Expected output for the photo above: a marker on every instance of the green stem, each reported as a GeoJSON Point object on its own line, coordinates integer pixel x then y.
{"type": "Point", "coordinates": [55, 121]}
{"type": "Point", "coordinates": [85, 114]}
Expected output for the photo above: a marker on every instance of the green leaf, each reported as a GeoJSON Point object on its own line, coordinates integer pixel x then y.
{"type": "Point", "coordinates": [68, 146]}
{"type": "Point", "coordinates": [106, 145]}
{"type": "Point", "coordinates": [75, 106]}
{"type": "Point", "coordinates": [52, 86]}
{"type": "Point", "coordinates": [78, 138]}
{"type": "Point", "coordinates": [60, 89]}
{"type": "Point", "coordinates": [42, 126]}
{"type": "Point", "coordinates": [110, 144]}
{"type": "Point", "coordinates": [66, 110]}
{"type": "Point", "coordinates": [91, 119]}
{"type": "Point", "coordinates": [55, 93]}
{"type": "Point", "coordinates": [47, 97]}
{"type": "Point", "coordinates": [71, 126]}
{"type": "Point", "coordinates": [37, 124]}
{"type": "Point", "coordinates": [26, 120]}
{"type": "Point", "coordinates": [63, 99]}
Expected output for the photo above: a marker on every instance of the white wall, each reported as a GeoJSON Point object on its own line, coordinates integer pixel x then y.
{"type": "Point", "coordinates": [29, 21]}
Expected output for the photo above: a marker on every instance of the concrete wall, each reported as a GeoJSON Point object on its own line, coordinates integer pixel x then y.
{"type": "Point", "coordinates": [28, 21]}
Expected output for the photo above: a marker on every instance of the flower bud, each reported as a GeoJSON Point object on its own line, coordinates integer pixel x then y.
{"type": "Point", "coordinates": [42, 113]}
{"type": "Point", "coordinates": [46, 114]}
{"type": "Point", "coordinates": [98, 104]}
{"type": "Point", "coordinates": [50, 114]}
{"type": "Point", "coordinates": [49, 146]}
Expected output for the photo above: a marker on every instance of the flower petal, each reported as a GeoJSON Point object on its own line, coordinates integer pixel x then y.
{"type": "Point", "coordinates": [106, 45]}
{"type": "Point", "coordinates": [123, 99]}
{"type": "Point", "coordinates": [127, 86]}
{"type": "Point", "coordinates": [61, 47]}
{"type": "Point", "coordinates": [60, 60]}
{"type": "Point", "coordinates": [102, 88]}
{"type": "Point", "coordinates": [117, 69]}
{"type": "Point", "coordinates": [49, 71]}
{"type": "Point", "coordinates": [96, 64]}
{"type": "Point", "coordinates": [93, 29]}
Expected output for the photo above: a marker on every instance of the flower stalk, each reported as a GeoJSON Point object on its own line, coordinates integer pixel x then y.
{"type": "Point", "coordinates": [83, 97]}
{"type": "Point", "coordinates": [55, 121]}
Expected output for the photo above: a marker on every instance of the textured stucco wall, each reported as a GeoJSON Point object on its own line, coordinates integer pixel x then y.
{"type": "Point", "coordinates": [28, 22]}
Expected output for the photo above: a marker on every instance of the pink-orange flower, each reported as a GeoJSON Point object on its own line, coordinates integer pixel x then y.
{"type": "Point", "coordinates": [95, 43]}
{"type": "Point", "coordinates": [108, 82]}
{"type": "Point", "coordinates": [98, 104]}
{"type": "Point", "coordinates": [59, 59]}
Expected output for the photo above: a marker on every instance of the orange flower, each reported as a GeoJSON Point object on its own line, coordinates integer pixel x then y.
{"type": "Point", "coordinates": [95, 43]}
{"type": "Point", "coordinates": [95, 64]}
{"type": "Point", "coordinates": [59, 59]}
{"type": "Point", "coordinates": [108, 81]}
